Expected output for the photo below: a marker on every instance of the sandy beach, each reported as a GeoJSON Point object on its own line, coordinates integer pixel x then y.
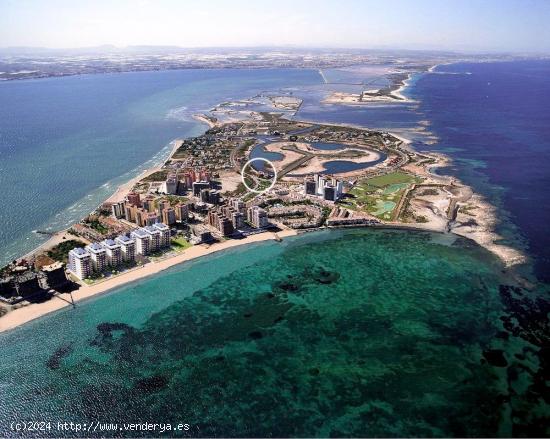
{"type": "Point", "coordinates": [434, 209]}
{"type": "Point", "coordinates": [27, 313]}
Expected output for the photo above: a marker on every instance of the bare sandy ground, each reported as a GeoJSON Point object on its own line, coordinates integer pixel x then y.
{"type": "Point", "coordinates": [230, 180]}
{"type": "Point", "coordinates": [316, 164]}
{"type": "Point", "coordinates": [27, 313]}
{"type": "Point", "coordinates": [356, 99]}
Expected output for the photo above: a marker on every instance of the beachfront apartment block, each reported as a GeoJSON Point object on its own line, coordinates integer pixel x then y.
{"type": "Point", "coordinates": [143, 243]}
{"type": "Point", "coordinates": [80, 263]}
{"type": "Point", "coordinates": [164, 231]}
{"type": "Point", "coordinates": [154, 238]}
{"type": "Point", "coordinates": [113, 252]}
{"type": "Point", "coordinates": [238, 220]}
{"type": "Point", "coordinates": [98, 256]}
{"type": "Point", "coordinates": [127, 248]}
{"type": "Point", "coordinates": [151, 238]}
{"type": "Point", "coordinates": [257, 217]}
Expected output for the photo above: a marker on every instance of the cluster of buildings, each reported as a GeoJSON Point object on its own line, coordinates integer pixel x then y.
{"type": "Point", "coordinates": [231, 217]}
{"type": "Point", "coordinates": [328, 188]}
{"type": "Point", "coordinates": [149, 210]}
{"type": "Point", "coordinates": [299, 216]}
{"type": "Point", "coordinates": [98, 256]}
{"type": "Point", "coordinates": [179, 182]}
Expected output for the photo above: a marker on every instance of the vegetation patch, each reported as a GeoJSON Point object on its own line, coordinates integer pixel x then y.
{"type": "Point", "coordinates": [156, 176]}
{"type": "Point", "coordinates": [180, 243]}
{"type": "Point", "coordinates": [379, 196]}
{"type": "Point", "coordinates": [61, 251]}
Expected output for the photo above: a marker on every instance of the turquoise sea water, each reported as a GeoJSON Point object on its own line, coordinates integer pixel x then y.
{"type": "Point", "coordinates": [355, 333]}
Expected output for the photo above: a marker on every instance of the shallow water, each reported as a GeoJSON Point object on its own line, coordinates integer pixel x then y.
{"type": "Point", "coordinates": [356, 333]}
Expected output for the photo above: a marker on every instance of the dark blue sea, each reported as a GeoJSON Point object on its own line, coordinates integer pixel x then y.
{"type": "Point", "coordinates": [493, 119]}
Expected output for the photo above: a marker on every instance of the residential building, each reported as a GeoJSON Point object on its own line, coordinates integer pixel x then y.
{"type": "Point", "coordinates": [134, 199]}
{"type": "Point", "coordinates": [127, 248]}
{"type": "Point", "coordinates": [118, 209]}
{"type": "Point", "coordinates": [150, 219]}
{"type": "Point", "coordinates": [310, 186]}
{"type": "Point", "coordinates": [98, 256]}
{"type": "Point", "coordinates": [257, 217]}
{"type": "Point", "coordinates": [198, 186]}
{"type": "Point", "coordinates": [129, 213]}
{"type": "Point", "coordinates": [171, 184]}
{"type": "Point", "coordinates": [225, 226]}
{"type": "Point", "coordinates": [238, 220]}
{"type": "Point", "coordinates": [164, 231]}
{"type": "Point", "coordinates": [154, 238]}
{"type": "Point", "coordinates": [162, 206]}
{"type": "Point", "coordinates": [143, 242]}
{"type": "Point", "coordinates": [238, 205]}
{"type": "Point", "coordinates": [113, 252]}
{"type": "Point", "coordinates": [148, 203]}
{"type": "Point", "coordinates": [214, 197]}
{"type": "Point", "coordinates": [169, 216]}
{"type": "Point", "coordinates": [328, 188]}
{"type": "Point", "coordinates": [182, 212]}
{"type": "Point", "coordinates": [201, 234]}
{"type": "Point", "coordinates": [329, 193]}
{"type": "Point", "coordinates": [80, 263]}
{"type": "Point", "coordinates": [205, 195]}
{"type": "Point", "coordinates": [55, 275]}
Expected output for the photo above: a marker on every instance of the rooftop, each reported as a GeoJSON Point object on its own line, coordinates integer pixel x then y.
{"type": "Point", "coordinates": [150, 230]}
{"type": "Point", "coordinates": [79, 252]}
{"type": "Point", "coordinates": [110, 243]}
{"type": "Point", "coordinates": [140, 233]}
{"type": "Point", "coordinates": [95, 247]}
{"type": "Point", "coordinates": [124, 239]}
{"type": "Point", "coordinates": [161, 226]}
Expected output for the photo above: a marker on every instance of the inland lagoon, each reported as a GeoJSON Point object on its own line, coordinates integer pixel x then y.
{"type": "Point", "coordinates": [337, 333]}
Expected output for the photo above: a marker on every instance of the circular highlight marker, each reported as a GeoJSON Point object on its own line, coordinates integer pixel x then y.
{"type": "Point", "coordinates": [248, 163]}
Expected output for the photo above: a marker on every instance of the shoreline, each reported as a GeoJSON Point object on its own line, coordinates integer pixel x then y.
{"type": "Point", "coordinates": [118, 195]}
{"type": "Point", "coordinates": [28, 313]}
{"type": "Point", "coordinates": [484, 235]}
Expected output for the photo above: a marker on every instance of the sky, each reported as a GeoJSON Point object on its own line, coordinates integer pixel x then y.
{"type": "Point", "coordinates": [465, 25]}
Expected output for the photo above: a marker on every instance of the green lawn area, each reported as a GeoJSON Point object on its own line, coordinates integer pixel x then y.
{"type": "Point", "coordinates": [180, 243]}
{"type": "Point", "coordinates": [379, 196]}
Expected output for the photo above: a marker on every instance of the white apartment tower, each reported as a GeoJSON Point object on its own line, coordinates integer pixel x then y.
{"type": "Point", "coordinates": [143, 243]}
{"type": "Point", "coordinates": [127, 248]}
{"type": "Point", "coordinates": [113, 251]}
{"type": "Point", "coordinates": [98, 256]}
{"type": "Point", "coordinates": [80, 263]}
